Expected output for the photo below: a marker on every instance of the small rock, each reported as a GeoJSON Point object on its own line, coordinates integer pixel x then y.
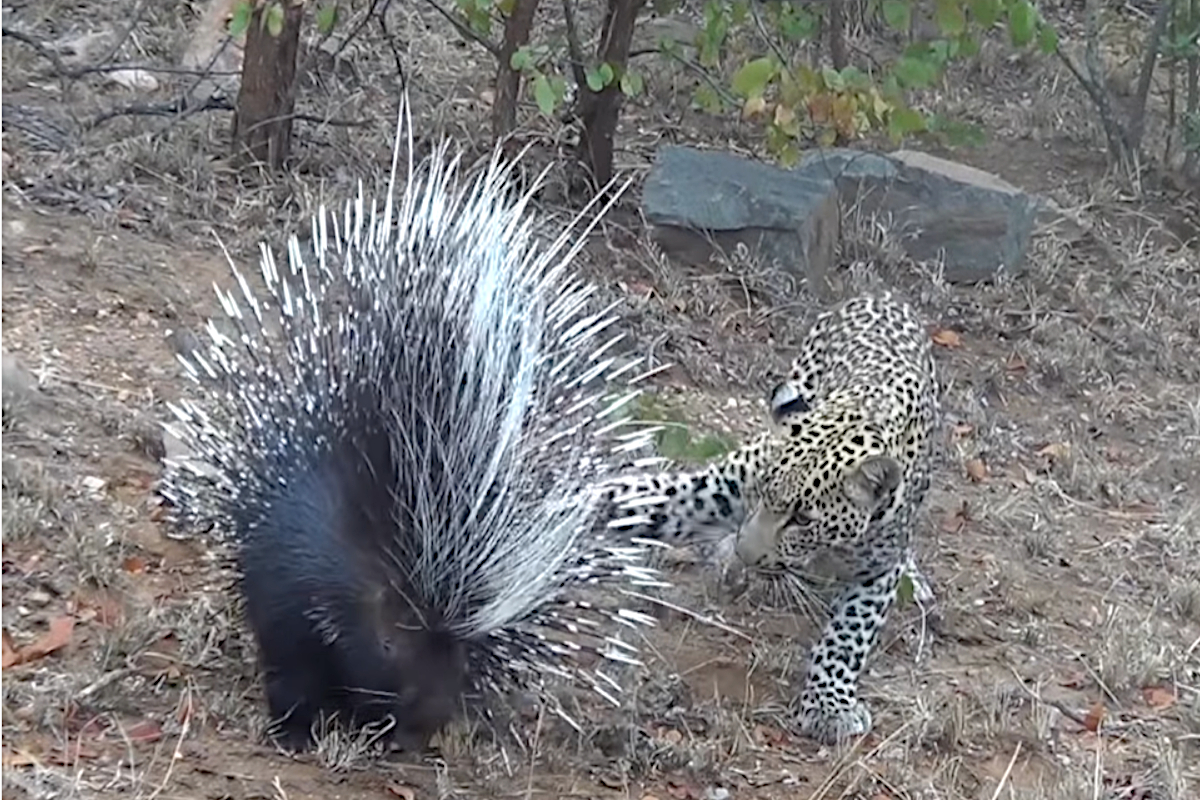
{"type": "Point", "coordinates": [19, 385]}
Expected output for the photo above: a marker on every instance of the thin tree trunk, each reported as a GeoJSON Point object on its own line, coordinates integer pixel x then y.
{"type": "Point", "coordinates": [837, 34]}
{"type": "Point", "coordinates": [508, 80]}
{"type": "Point", "coordinates": [262, 123]}
{"type": "Point", "coordinates": [601, 110]}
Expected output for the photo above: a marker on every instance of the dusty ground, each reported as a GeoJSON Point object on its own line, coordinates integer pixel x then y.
{"type": "Point", "coordinates": [1062, 660]}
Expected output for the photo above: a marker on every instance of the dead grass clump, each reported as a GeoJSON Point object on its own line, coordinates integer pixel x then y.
{"type": "Point", "coordinates": [1133, 652]}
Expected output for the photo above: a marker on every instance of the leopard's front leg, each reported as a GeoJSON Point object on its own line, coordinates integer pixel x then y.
{"type": "Point", "coordinates": [829, 709]}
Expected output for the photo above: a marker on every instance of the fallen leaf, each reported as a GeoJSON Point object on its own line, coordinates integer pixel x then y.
{"type": "Point", "coordinates": [401, 791]}
{"type": "Point", "coordinates": [1095, 716]}
{"type": "Point", "coordinates": [947, 338]}
{"type": "Point", "coordinates": [1158, 697]}
{"type": "Point", "coordinates": [753, 107]}
{"type": "Point", "coordinates": [955, 522]}
{"type": "Point", "coordinates": [137, 79]}
{"type": "Point", "coordinates": [134, 565]}
{"type": "Point", "coordinates": [8, 651]}
{"type": "Point", "coordinates": [58, 637]}
{"type": "Point", "coordinates": [1015, 363]}
{"type": "Point", "coordinates": [1056, 451]}
{"type": "Point", "coordinates": [1077, 680]}
{"type": "Point", "coordinates": [963, 429]}
{"type": "Point", "coordinates": [19, 758]}
{"type": "Point", "coordinates": [977, 470]}
{"type": "Point", "coordinates": [144, 732]}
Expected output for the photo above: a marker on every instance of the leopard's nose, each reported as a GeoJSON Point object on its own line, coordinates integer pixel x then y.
{"type": "Point", "coordinates": [756, 540]}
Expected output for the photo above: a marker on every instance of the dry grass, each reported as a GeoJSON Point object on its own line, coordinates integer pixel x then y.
{"type": "Point", "coordinates": [1067, 578]}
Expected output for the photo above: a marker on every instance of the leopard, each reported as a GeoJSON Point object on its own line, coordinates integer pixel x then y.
{"type": "Point", "coordinates": [841, 473]}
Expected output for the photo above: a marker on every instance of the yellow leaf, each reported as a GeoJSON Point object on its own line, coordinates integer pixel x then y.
{"type": "Point", "coordinates": [753, 107]}
{"type": "Point", "coordinates": [977, 470]}
{"type": "Point", "coordinates": [947, 338]}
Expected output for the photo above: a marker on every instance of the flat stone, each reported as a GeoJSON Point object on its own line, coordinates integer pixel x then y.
{"type": "Point", "coordinates": [702, 203]}
{"type": "Point", "coordinates": [974, 222]}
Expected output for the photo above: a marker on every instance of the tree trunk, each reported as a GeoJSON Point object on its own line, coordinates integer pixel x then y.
{"type": "Point", "coordinates": [262, 122]}
{"type": "Point", "coordinates": [600, 111]}
{"type": "Point", "coordinates": [837, 34]}
{"type": "Point", "coordinates": [508, 80]}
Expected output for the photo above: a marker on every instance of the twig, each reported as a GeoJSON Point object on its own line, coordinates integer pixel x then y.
{"type": "Point", "coordinates": [574, 46]}
{"type": "Point", "coordinates": [105, 680]}
{"type": "Point", "coordinates": [696, 68]}
{"type": "Point", "coordinates": [491, 47]}
{"type": "Point", "coordinates": [38, 47]}
{"type": "Point", "coordinates": [1007, 772]}
{"type": "Point", "coordinates": [1066, 710]}
{"type": "Point", "coordinates": [182, 105]}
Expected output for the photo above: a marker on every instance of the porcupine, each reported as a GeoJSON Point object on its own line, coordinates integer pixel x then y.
{"type": "Point", "coordinates": [405, 467]}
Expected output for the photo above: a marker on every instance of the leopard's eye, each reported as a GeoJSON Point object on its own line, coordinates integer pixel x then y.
{"type": "Point", "coordinates": [801, 516]}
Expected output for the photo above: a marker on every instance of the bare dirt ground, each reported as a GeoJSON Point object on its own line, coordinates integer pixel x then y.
{"type": "Point", "coordinates": [1062, 659]}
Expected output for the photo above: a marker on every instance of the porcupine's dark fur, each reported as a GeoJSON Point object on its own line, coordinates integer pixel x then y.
{"type": "Point", "coordinates": [401, 440]}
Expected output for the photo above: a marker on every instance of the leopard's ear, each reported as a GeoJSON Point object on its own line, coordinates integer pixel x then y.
{"type": "Point", "coordinates": [784, 400]}
{"type": "Point", "coordinates": [872, 480]}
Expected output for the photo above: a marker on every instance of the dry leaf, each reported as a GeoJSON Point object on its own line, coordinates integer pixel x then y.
{"type": "Point", "coordinates": [963, 429]}
{"type": "Point", "coordinates": [1015, 363]}
{"type": "Point", "coordinates": [1158, 697]}
{"type": "Point", "coordinates": [977, 470]}
{"type": "Point", "coordinates": [753, 107]}
{"type": "Point", "coordinates": [58, 637]}
{"type": "Point", "coordinates": [9, 650]}
{"type": "Point", "coordinates": [145, 732]}
{"type": "Point", "coordinates": [1095, 716]}
{"type": "Point", "coordinates": [19, 758]}
{"type": "Point", "coordinates": [955, 522]}
{"type": "Point", "coordinates": [134, 565]}
{"type": "Point", "coordinates": [401, 791]}
{"type": "Point", "coordinates": [137, 79]}
{"type": "Point", "coordinates": [947, 338]}
{"type": "Point", "coordinates": [1056, 451]}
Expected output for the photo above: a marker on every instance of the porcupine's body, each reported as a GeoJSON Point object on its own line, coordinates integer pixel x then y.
{"type": "Point", "coordinates": [402, 450]}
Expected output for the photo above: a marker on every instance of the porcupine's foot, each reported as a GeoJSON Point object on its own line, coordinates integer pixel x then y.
{"type": "Point", "coordinates": [292, 713]}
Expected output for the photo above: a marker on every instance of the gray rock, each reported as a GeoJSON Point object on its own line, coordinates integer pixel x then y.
{"type": "Point", "coordinates": [702, 202]}
{"type": "Point", "coordinates": [973, 221]}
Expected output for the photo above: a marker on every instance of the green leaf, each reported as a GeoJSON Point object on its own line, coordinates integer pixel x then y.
{"type": "Point", "coordinates": [544, 94]}
{"type": "Point", "coordinates": [327, 19]}
{"type": "Point", "coordinates": [521, 60]}
{"type": "Point", "coordinates": [273, 19]}
{"type": "Point", "coordinates": [897, 14]}
{"type": "Point", "coordinates": [1022, 18]}
{"type": "Point", "coordinates": [506, 7]}
{"type": "Point", "coordinates": [906, 592]}
{"type": "Point", "coordinates": [796, 24]}
{"type": "Point", "coordinates": [707, 99]}
{"type": "Point", "coordinates": [986, 12]}
{"type": "Point", "coordinates": [1048, 40]}
{"type": "Point", "coordinates": [968, 46]}
{"type": "Point", "coordinates": [915, 72]}
{"type": "Point", "coordinates": [833, 79]}
{"type": "Point", "coordinates": [240, 21]}
{"type": "Point", "coordinates": [752, 79]}
{"type": "Point", "coordinates": [904, 122]}
{"type": "Point", "coordinates": [595, 80]}
{"type": "Point", "coordinates": [631, 83]}
{"type": "Point", "coordinates": [606, 73]}
{"type": "Point", "coordinates": [951, 20]}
